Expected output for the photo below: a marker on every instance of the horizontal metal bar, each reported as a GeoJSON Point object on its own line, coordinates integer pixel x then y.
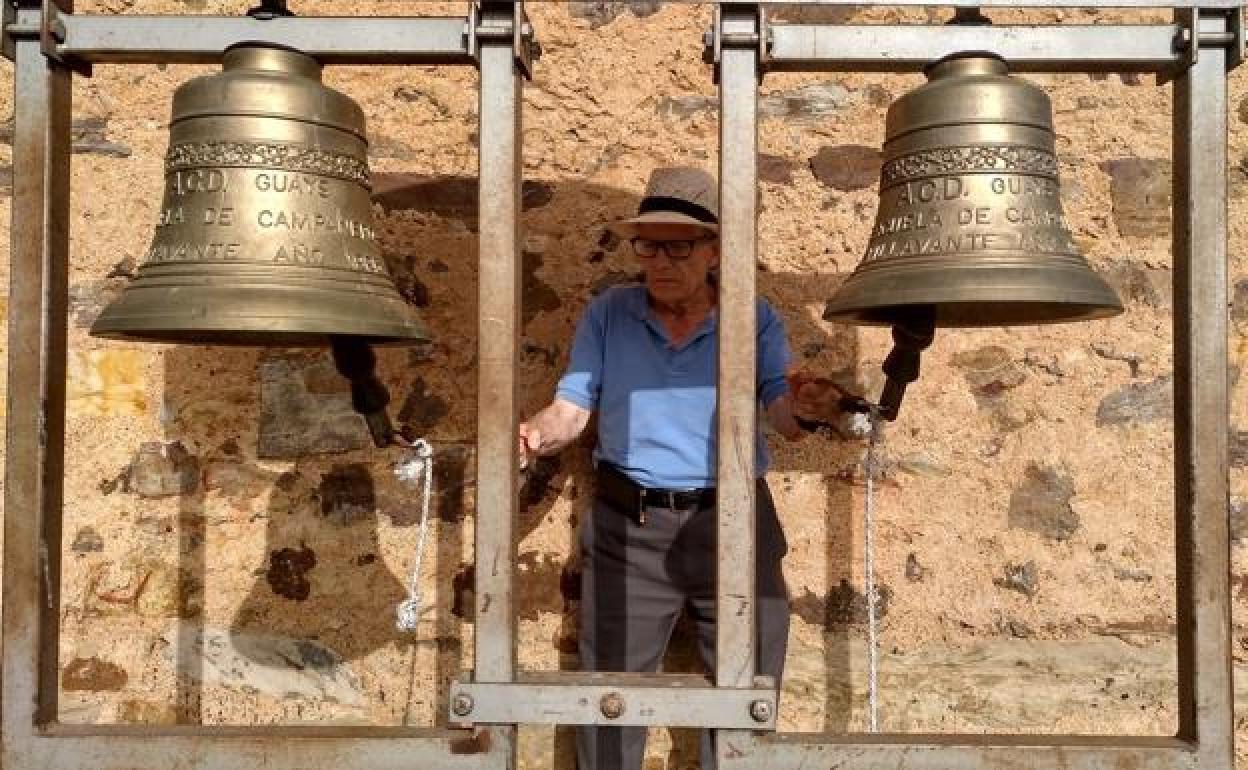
{"type": "Point", "coordinates": [945, 752]}
{"type": "Point", "coordinates": [274, 748]}
{"type": "Point", "coordinates": [202, 39]}
{"type": "Point", "coordinates": [1074, 48]}
{"type": "Point", "coordinates": [1210, 4]}
{"type": "Point", "coordinates": [649, 700]}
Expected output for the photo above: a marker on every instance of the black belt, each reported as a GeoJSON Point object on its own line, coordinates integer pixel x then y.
{"type": "Point", "coordinates": [629, 497]}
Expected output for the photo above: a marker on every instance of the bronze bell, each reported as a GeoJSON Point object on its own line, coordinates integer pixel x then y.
{"type": "Point", "coordinates": [265, 235]}
{"type": "Point", "coordinates": [970, 230]}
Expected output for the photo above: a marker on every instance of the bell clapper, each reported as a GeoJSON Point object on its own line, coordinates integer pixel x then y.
{"type": "Point", "coordinates": [369, 396]}
{"type": "Point", "coordinates": [910, 339]}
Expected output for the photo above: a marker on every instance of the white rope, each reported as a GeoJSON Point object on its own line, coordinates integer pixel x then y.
{"type": "Point", "coordinates": [870, 468]}
{"type": "Point", "coordinates": [417, 468]}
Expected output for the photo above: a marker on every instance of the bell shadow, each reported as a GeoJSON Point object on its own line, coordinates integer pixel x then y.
{"type": "Point", "coordinates": [322, 578]}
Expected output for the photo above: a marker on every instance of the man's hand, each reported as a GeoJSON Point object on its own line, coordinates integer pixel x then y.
{"type": "Point", "coordinates": [530, 441]}
{"type": "Point", "coordinates": [550, 430]}
{"type": "Point", "coordinates": [816, 398]}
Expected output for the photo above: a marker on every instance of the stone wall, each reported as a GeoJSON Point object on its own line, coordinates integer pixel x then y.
{"type": "Point", "coordinates": [235, 549]}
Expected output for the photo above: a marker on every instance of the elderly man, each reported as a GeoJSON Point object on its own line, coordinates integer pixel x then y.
{"type": "Point", "coordinates": [645, 358]}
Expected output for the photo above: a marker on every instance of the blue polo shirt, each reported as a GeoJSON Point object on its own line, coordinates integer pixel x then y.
{"type": "Point", "coordinates": [656, 402]}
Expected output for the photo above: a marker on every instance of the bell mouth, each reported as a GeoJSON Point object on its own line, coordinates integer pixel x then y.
{"type": "Point", "coordinates": [967, 315]}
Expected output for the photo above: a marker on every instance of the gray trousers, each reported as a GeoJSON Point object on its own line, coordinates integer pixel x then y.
{"type": "Point", "coordinates": [636, 581]}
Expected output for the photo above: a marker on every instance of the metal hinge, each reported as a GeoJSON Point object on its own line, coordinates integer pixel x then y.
{"type": "Point", "coordinates": [716, 39]}
{"type": "Point", "coordinates": [501, 22]}
{"type": "Point", "coordinates": [1190, 39]}
{"type": "Point", "coordinates": [51, 32]}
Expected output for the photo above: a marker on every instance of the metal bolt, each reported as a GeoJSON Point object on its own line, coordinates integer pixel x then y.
{"type": "Point", "coordinates": [760, 710]}
{"type": "Point", "coordinates": [462, 705]}
{"type": "Point", "coordinates": [612, 705]}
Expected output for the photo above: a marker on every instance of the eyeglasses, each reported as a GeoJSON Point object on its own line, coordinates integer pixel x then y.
{"type": "Point", "coordinates": [675, 250]}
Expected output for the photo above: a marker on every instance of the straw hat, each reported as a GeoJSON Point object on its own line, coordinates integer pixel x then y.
{"type": "Point", "coordinates": [676, 196]}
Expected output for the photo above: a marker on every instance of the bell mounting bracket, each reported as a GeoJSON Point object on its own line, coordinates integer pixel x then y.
{"type": "Point", "coordinates": [493, 21]}
{"type": "Point", "coordinates": [1191, 38]}
{"type": "Point", "coordinates": [52, 35]}
{"type": "Point", "coordinates": [722, 34]}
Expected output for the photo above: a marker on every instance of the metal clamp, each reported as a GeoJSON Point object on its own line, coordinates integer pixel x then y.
{"type": "Point", "coordinates": [52, 34]}
{"type": "Point", "coordinates": [717, 38]}
{"type": "Point", "coordinates": [1190, 39]}
{"type": "Point", "coordinates": [492, 21]}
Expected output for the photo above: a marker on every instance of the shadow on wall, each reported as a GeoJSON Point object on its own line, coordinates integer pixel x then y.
{"type": "Point", "coordinates": [323, 580]}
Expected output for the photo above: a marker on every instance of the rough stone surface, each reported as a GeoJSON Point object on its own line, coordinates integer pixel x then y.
{"type": "Point", "coordinates": [281, 667]}
{"type": "Point", "coordinates": [1141, 195]}
{"type": "Point", "coordinates": [990, 370]}
{"type": "Point", "coordinates": [1041, 503]}
{"type": "Point", "coordinates": [600, 12]}
{"type": "Point", "coordinates": [847, 167]}
{"type": "Point", "coordinates": [1237, 448]}
{"type": "Point", "coordinates": [89, 136]}
{"type": "Point", "coordinates": [1019, 577]}
{"type": "Point", "coordinates": [305, 408]}
{"type": "Point", "coordinates": [1138, 403]}
{"type": "Point", "coordinates": [93, 674]}
{"type": "Point", "coordinates": [163, 470]}
{"type": "Point", "coordinates": [287, 573]}
{"type": "Point", "coordinates": [812, 101]}
{"type": "Point", "coordinates": [87, 541]}
{"type": "Point", "coordinates": [347, 494]}
{"type": "Point", "coordinates": [1141, 284]}
{"type": "Point", "coordinates": [1239, 303]}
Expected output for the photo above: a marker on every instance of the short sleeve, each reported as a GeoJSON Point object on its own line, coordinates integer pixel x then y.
{"type": "Point", "coordinates": [774, 357]}
{"type": "Point", "coordinates": [582, 382]}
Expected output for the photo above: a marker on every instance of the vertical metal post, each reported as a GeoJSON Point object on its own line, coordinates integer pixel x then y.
{"type": "Point", "coordinates": [738, 320]}
{"type": "Point", "coordinates": [1201, 406]}
{"type": "Point", "coordinates": [36, 399]}
{"type": "Point", "coordinates": [498, 345]}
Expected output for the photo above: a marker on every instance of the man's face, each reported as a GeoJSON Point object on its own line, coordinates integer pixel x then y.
{"type": "Point", "coordinates": [676, 279]}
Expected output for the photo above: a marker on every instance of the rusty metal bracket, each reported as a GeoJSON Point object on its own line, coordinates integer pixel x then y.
{"type": "Point", "coordinates": [52, 34]}
{"type": "Point", "coordinates": [501, 21]}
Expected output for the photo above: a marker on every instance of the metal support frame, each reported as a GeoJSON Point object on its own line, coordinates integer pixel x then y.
{"type": "Point", "coordinates": [47, 42]}
{"type": "Point", "coordinates": [1196, 52]}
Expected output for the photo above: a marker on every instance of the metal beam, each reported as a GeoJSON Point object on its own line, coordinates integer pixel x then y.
{"type": "Point", "coordinates": [738, 319]}
{"type": "Point", "coordinates": [498, 346]}
{"type": "Point", "coordinates": [910, 48]}
{"type": "Point", "coordinates": [273, 748]}
{"type": "Point", "coordinates": [34, 453]}
{"type": "Point", "coordinates": [745, 751]}
{"type": "Point", "coordinates": [202, 39]}
{"type": "Point", "coordinates": [1202, 536]}
{"type": "Point", "coordinates": [616, 699]}
{"type": "Point", "coordinates": [1003, 3]}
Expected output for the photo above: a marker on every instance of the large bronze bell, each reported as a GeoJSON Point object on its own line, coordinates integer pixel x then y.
{"type": "Point", "coordinates": [265, 235]}
{"type": "Point", "coordinates": [970, 230]}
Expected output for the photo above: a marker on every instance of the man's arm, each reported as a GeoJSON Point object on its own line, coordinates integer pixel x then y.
{"type": "Point", "coordinates": [551, 429]}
